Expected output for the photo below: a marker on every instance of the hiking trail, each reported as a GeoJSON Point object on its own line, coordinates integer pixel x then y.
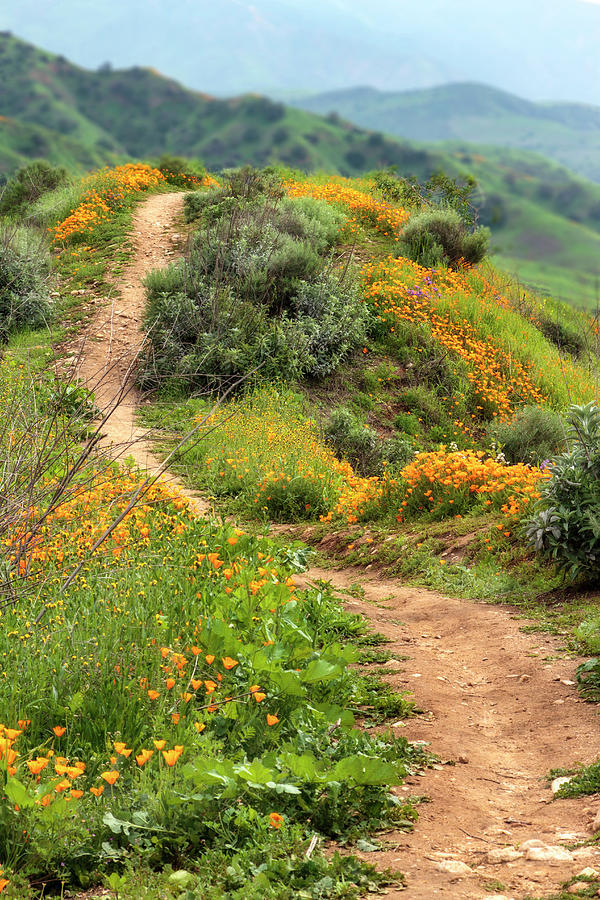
{"type": "Point", "coordinates": [500, 706]}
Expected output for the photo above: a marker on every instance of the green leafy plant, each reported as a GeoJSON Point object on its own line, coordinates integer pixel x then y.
{"type": "Point", "coordinates": [441, 237]}
{"type": "Point", "coordinates": [24, 270]}
{"type": "Point", "coordinates": [566, 525]}
{"type": "Point", "coordinates": [28, 184]}
{"type": "Point", "coordinates": [533, 434]}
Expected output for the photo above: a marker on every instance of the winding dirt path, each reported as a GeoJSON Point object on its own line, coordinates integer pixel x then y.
{"type": "Point", "coordinates": [499, 704]}
{"type": "Point", "coordinates": [106, 354]}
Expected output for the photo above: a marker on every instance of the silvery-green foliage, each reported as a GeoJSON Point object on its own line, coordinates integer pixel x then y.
{"type": "Point", "coordinates": [566, 524]}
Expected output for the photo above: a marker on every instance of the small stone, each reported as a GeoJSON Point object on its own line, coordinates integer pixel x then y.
{"type": "Point", "coordinates": [558, 783]}
{"type": "Point", "coordinates": [588, 872]}
{"type": "Point", "coordinates": [503, 855]}
{"type": "Point", "coordinates": [454, 867]}
{"type": "Point", "coordinates": [577, 886]}
{"type": "Point", "coordinates": [463, 759]}
{"type": "Point", "coordinates": [552, 855]}
{"type": "Point", "coordinates": [496, 897]}
{"type": "Point", "coordinates": [524, 678]}
{"type": "Point", "coordinates": [532, 842]}
{"type": "Point", "coordinates": [596, 821]}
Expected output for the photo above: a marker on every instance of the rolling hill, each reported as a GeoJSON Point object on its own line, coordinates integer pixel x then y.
{"type": "Point", "coordinates": [569, 133]}
{"type": "Point", "coordinates": [545, 219]}
{"type": "Point", "coordinates": [534, 49]}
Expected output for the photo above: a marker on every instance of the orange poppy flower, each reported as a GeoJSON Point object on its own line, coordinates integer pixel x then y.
{"type": "Point", "coordinates": [143, 756]}
{"type": "Point", "coordinates": [276, 820]}
{"type": "Point", "coordinates": [229, 663]}
{"type": "Point", "coordinates": [153, 694]}
{"type": "Point", "coordinates": [209, 658]}
{"type": "Point", "coordinates": [96, 791]}
{"type": "Point", "coordinates": [272, 720]}
{"type": "Point", "coordinates": [159, 744]}
{"type": "Point", "coordinates": [63, 785]}
{"type": "Point", "coordinates": [76, 794]}
{"type": "Point", "coordinates": [199, 726]}
{"type": "Point", "coordinates": [59, 730]}
{"type": "Point", "coordinates": [110, 777]}
{"type": "Point", "coordinates": [171, 756]}
{"type": "Point", "coordinates": [170, 683]}
{"type": "Point", "coordinates": [37, 765]}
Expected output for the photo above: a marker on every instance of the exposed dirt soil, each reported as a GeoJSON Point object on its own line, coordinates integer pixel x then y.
{"type": "Point", "coordinates": [498, 707]}
{"type": "Point", "coordinates": [499, 704]}
{"type": "Point", "coordinates": [106, 354]}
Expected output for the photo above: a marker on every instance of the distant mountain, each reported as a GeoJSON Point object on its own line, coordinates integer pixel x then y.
{"type": "Point", "coordinates": [566, 132]}
{"type": "Point", "coordinates": [534, 48]}
{"type": "Point", "coordinates": [545, 220]}
{"type": "Point", "coordinates": [140, 113]}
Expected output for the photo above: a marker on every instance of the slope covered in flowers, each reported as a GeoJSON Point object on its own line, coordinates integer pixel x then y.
{"type": "Point", "coordinates": [270, 453]}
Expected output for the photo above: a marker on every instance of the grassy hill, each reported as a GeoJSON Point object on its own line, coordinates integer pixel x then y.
{"type": "Point", "coordinates": [545, 220]}
{"type": "Point", "coordinates": [569, 133]}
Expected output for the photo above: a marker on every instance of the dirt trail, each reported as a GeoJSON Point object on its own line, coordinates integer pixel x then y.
{"type": "Point", "coordinates": [495, 699]}
{"type": "Point", "coordinates": [496, 705]}
{"type": "Point", "coordinates": [114, 337]}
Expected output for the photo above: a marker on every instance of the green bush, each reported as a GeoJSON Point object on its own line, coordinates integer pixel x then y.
{"type": "Point", "coordinates": [28, 184]}
{"type": "Point", "coordinates": [566, 524]}
{"type": "Point", "coordinates": [531, 436]}
{"type": "Point", "coordinates": [564, 337]}
{"type": "Point", "coordinates": [206, 337]}
{"type": "Point", "coordinates": [24, 267]}
{"type": "Point", "coordinates": [252, 294]}
{"type": "Point", "coordinates": [441, 237]}
{"type": "Point", "coordinates": [333, 318]}
{"type": "Point", "coordinates": [179, 171]}
{"type": "Point", "coordinates": [353, 440]}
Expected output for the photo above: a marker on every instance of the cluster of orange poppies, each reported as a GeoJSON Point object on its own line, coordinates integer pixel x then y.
{"type": "Point", "coordinates": [104, 192]}
{"type": "Point", "coordinates": [365, 209]}
{"type": "Point", "coordinates": [453, 477]}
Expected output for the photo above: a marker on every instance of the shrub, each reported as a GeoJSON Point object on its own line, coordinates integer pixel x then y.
{"type": "Point", "coordinates": [24, 267]}
{"type": "Point", "coordinates": [28, 184]}
{"type": "Point", "coordinates": [566, 526]}
{"type": "Point", "coordinates": [564, 337]}
{"type": "Point", "coordinates": [252, 294]}
{"type": "Point", "coordinates": [354, 441]}
{"type": "Point", "coordinates": [179, 171]}
{"type": "Point", "coordinates": [440, 236]}
{"type": "Point", "coordinates": [531, 436]}
{"type": "Point", "coordinates": [210, 338]}
{"type": "Point", "coordinates": [333, 317]}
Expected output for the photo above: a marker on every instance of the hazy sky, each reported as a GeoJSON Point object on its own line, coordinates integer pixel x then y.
{"type": "Point", "coordinates": [540, 49]}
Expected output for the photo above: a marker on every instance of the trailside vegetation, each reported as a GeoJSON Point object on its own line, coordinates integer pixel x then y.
{"type": "Point", "coordinates": [184, 715]}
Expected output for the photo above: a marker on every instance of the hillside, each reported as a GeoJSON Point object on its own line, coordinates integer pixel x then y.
{"type": "Point", "coordinates": [198, 708]}
{"type": "Point", "coordinates": [569, 133]}
{"type": "Point", "coordinates": [545, 220]}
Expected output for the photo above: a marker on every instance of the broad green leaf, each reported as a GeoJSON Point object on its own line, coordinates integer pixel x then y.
{"type": "Point", "coordinates": [18, 793]}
